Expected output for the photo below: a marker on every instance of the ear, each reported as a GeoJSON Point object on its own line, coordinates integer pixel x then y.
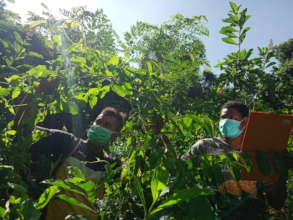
{"type": "Point", "coordinates": [124, 115]}
{"type": "Point", "coordinates": [115, 134]}
{"type": "Point", "coordinates": [244, 123]}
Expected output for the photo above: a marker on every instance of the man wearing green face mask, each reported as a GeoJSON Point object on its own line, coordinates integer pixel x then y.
{"type": "Point", "coordinates": [64, 149]}
{"type": "Point", "coordinates": [233, 119]}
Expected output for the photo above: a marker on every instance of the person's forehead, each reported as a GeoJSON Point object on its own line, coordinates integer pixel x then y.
{"type": "Point", "coordinates": [229, 112]}
{"type": "Point", "coordinates": [107, 118]}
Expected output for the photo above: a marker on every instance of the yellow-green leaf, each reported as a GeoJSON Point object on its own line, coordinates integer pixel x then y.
{"type": "Point", "coordinates": [37, 23]}
{"type": "Point", "coordinates": [229, 40]}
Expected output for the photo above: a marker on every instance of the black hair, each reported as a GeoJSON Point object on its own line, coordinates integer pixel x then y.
{"type": "Point", "coordinates": [113, 112]}
{"type": "Point", "coordinates": [238, 106]}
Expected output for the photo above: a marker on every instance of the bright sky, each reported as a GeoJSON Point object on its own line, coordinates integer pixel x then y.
{"type": "Point", "coordinates": [271, 19]}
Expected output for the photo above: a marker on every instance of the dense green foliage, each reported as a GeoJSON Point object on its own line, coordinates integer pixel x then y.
{"type": "Point", "coordinates": [67, 65]}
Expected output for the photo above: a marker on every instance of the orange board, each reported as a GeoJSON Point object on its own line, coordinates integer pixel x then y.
{"type": "Point", "coordinates": [265, 132]}
{"type": "Point", "coordinates": [268, 132]}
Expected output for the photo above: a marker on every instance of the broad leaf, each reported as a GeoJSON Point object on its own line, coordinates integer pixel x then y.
{"type": "Point", "coordinates": [229, 41]}
{"type": "Point", "coordinates": [180, 196]}
{"type": "Point", "coordinates": [37, 23]}
{"type": "Point", "coordinates": [74, 202]}
{"type": "Point", "coordinates": [234, 7]}
{"type": "Point", "coordinates": [35, 54]}
{"type": "Point", "coordinates": [46, 196]}
{"type": "Point", "coordinates": [159, 182]}
{"type": "Point", "coordinates": [114, 61]}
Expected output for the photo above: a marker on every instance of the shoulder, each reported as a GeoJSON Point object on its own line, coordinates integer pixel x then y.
{"type": "Point", "coordinates": [56, 142]}
{"type": "Point", "coordinates": [208, 142]}
{"type": "Point", "coordinates": [55, 137]}
{"type": "Point", "coordinates": [213, 146]}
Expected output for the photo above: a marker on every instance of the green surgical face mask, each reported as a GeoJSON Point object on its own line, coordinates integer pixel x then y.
{"type": "Point", "coordinates": [230, 128]}
{"type": "Point", "coordinates": [99, 135]}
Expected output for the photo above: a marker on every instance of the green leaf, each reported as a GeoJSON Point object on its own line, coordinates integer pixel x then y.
{"type": "Point", "coordinates": [127, 85]}
{"type": "Point", "coordinates": [2, 212]}
{"type": "Point", "coordinates": [17, 36]}
{"type": "Point", "coordinates": [74, 202]}
{"type": "Point", "coordinates": [35, 54]}
{"type": "Point", "coordinates": [279, 164]}
{"type": "Point", "coordinates": [242, 37]}
{"type": "Point", "coordinates": [243, 34]}
{"type": "Point", "coordinates": [16, 92]}
{"type": "Point", "coordinates": [227, 30]}
{"type": "Point", "coordinates": [246, 162]}
{"type": "Point", "coordinates": [46, 196]}
{"type": "Point", "coordinates": [108, 73]}
{"type": "Point", "coordinates": [159, 182]}
{"type": "Point", "coordinates": [75, 217]}
{"type": "Point", "coordinates": [234, 7]}
{"type": "Point", "coordinates": [82, 96]}
{"type": "Point", "coordinates": [120, 90]}
{"type": "Point", "coordinates": [139, 191]}
{"type": "Point", "coordinates": [201, 208]}
{"type": "Point", "coordinates": [187, 121]}
{"type": "Point", "coordinates": [262, 163]}
{"type": "Point", "coordinates": [57, 39]}
{"type": "Point", "coordinates": [44, 6]}
{"type": "Point", "coordinates": [78, 59]}
{"type": "Point", "coordinates": [243, 18]}
{"type": "Point", "coordinates": [4, 91]}
{"type": "Point", "coordinates": [150, 67]}
{"type": "Point", "coordinates": [229, 41]}
{"type": "Point", "coordinates": [11, 110]}
{"type": "Point", "coordinates": [229, 20]}
{"type": "Point", "coordinates": [6, 167]}
{"type": "Point", "coordinates": [12, 78]}
{"type": "Point", "coordinates": [89, 188]}
{"type": "Point", "coordinates": [76, 172]}
{"type": "Point", "coordinates": [66, 185]}
{"type": "Point", "coordinates": [180, 196]}
{"type": "Point", "coordinates": [270, 64]}
{"type": "Point", "coordinates": [17, 187]}
{"type": "Point", "coordinates": [93, 100]}
{"type": "Point", "coordinates": [233, 166]}
{"type": "Point", "coordinates": [37, 23]}
{"type": "Point", "coordinates": [73, 108]}
{"type": "Point", "coordinates": [10, 132]}
{"type": "Point", "coordinates": [4, 43]}
{"type": "Point", "coordinates": [72, 23]}
{"type": "Point", "coordinates": [114, 60]}
{"type": "Point", "coordinates": [29, 211]}
{"type": "Point", "coordinates": [39, 71]}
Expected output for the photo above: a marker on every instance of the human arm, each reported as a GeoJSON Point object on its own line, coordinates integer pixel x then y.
{"type": "Point", "coordinates": [193, 151]}
{"type": "Point", "coordinates": [54, 145]}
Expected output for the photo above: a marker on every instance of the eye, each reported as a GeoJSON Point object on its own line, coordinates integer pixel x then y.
{"type": "Point", "coordinates": [106, 125]}
{"type": "Point", "coordinates": [98, 121]}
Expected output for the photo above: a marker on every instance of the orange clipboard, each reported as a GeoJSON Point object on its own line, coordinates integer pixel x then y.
{"type": "Point", "coordinates": [265, 132]}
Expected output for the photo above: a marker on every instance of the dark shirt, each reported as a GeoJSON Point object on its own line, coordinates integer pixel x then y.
{"type": "Point", "coordinates": [56, 147]}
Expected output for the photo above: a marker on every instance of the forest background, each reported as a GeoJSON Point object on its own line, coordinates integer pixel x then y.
{"type": "Point", "coordinates": [70, 65]}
